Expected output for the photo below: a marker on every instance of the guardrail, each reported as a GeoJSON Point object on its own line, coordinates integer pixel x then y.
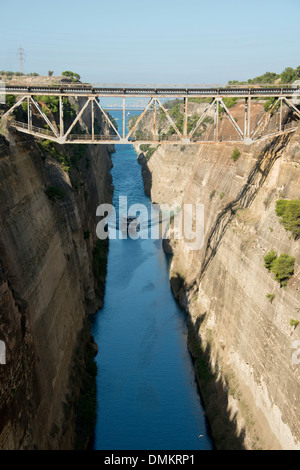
{"type": "Point", "coordinates": [89, 137]}
{"type": "Point", "coordinates": [159, 91]}
{"type": "Point", "coordinates": [39, 130]}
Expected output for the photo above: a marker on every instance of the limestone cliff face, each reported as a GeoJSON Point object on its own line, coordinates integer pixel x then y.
{"type": "Point", "coordinates": [46, 285]}
{"type": "Point", "coordinates": [242, 343]}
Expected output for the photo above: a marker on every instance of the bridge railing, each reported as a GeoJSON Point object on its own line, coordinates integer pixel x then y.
{"type": "Point", "coordinates": [115, 138]}
{"type": "Point", "coordinates": [39, 130]}
{"type": "Point", "coordinates": [89, 137]}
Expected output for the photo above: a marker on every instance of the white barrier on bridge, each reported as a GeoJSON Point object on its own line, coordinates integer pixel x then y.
{"type": "Point", "coordinates": [2, 94]}
{"type": "Point", "coordinates": [296, 95]}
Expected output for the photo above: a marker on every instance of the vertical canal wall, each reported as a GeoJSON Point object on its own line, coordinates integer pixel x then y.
{"type": "Point", "coordinates": [47, 287]}
{"type": "Point", "coordinates": [243, 343]}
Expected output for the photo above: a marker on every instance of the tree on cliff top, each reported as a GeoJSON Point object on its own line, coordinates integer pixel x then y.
{"type": "Point", "coordinates": [72, 75]}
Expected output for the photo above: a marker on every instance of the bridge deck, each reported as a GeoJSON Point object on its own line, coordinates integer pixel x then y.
{"type": "Point", "coordinates": [84, 90]}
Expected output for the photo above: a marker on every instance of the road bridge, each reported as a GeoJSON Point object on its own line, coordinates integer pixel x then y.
{"type": "Point", "coordinates": [90, 97]}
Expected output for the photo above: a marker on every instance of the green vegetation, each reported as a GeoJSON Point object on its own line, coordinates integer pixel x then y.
{"type": "Point", "coordinates": [221, 195]}
{"type": "Point", "coordinates": [141, 134]}
{"type": "Point", "coordinates": [271, 297]}
{"type": "Point", "coordinates": [54, 192]}
{"type": "Point", "coordinates": [269, 103]}
{"type": "Point", "coordinates": [282, 267]}
{"type": "Point", "coordinates": [10, 100]}
{"type": "Point", "coordinates": [72, 75]}
{"type": "Point", "coordinates": [69, 159]}
{"type": "Point", "coordinates": [294, 323]}
{"type": "Point", "coordinates": [229, 103]}
{"type": "Point", "coordinates": [49, 147]}
{"type": "Point", "coordinates": [50, 104]}
{"type": "Point", "coordinates": [148, 150]}
{"type": "Point", "coordinates": [9, 74]}
{"type": "Point", "coordinates": [235, 154]}
{"type": "Point", "coordinates": [289, 211]}
{"type": "Point", "coordinates": [144, 147]}
{"type": "Point", "coordinates": [269, 258]}
{"type": "Point", "coordinates": [289, 75]}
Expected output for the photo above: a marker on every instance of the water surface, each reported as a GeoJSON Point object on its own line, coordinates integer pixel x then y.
{"type": "Point", "coordinates": [146, 389]}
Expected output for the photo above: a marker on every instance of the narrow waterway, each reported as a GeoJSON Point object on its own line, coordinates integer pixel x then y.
{"type": "Point", "coordinates": [146, 389]}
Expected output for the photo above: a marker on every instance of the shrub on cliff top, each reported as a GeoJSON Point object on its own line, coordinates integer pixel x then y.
{"type": "Point", "coordinates": [72, 75]}
{"type": "Point", "coordinates": [289, 211]}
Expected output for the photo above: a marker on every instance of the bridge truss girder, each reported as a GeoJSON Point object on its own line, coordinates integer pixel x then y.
{"type": "Point", "coordinates": [58, 133]}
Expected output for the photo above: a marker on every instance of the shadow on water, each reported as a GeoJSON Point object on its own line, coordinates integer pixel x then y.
{"type": "Point", "coordinates": [214, 392]}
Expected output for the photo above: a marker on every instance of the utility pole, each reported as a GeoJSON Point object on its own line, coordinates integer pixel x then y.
{"type": "Point", "coordinates": [21, 58]}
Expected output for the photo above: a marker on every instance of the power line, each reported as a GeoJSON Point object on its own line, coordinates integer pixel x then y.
{"type": "Point", "coordinates": [21, 55]}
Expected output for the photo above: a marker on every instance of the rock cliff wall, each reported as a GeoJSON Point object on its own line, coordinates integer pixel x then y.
{"type": "Point", "coordinates": [47, 287]}
{"type": "Point", "coordinates": [241, 342]}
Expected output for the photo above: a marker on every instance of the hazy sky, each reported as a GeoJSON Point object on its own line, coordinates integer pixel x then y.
{"type": "Point", "coordinates": [160, 41]}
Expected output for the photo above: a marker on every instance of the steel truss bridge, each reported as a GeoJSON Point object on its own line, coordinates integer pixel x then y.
{"type": "Point", "coordinates": [91, 98]}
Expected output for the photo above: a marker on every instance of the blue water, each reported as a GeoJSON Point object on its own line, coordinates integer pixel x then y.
{"type": "Point", "coordinates": [146, 389]}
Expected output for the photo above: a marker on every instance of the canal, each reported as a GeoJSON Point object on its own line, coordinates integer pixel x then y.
{"type": "Point", "coordinates": [146, 389]}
